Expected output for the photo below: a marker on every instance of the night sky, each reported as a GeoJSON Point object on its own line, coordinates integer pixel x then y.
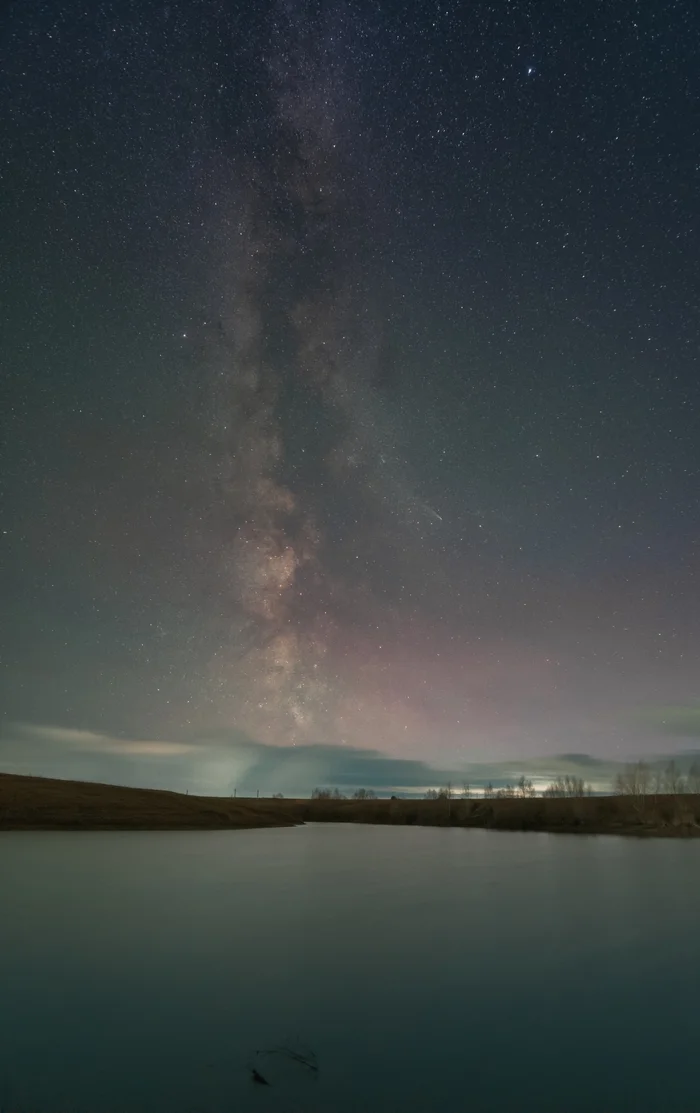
{"type": "Point", "coordinates": [350, 380]}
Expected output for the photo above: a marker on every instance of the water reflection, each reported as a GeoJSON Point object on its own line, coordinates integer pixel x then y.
{"type": "Point", "coordinates": [418, 968]}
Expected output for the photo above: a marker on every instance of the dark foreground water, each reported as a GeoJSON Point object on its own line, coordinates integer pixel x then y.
{"type": "Point", "coordinates": [426, 969]}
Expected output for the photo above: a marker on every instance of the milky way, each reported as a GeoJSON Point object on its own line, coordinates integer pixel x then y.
{"type": "Point", "coordinates": [288, 335]}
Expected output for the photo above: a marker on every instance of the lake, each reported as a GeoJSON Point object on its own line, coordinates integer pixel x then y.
{"type": "Point", "coordinates": [424, 968]}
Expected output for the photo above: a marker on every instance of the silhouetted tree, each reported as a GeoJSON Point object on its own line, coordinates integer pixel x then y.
{"type": "Point", "coordinates": [639, 779]}
{"type": "Point", "coordinates": [364, 794]}
{"type": "Point", "coordinates": [505, 793]}
{"type": "Point", "coordinates": [634, 780]}
{"type": "Point", "coordinates": [568, 785]}
{"type": "Point", "coordinates": [439, 793]}
{"type": "Point", "coordinates": [525, 786]}
{"type": "Point", "coordinates": [693, 777]}
{"type": "Point", "coordinates": [673, 779]}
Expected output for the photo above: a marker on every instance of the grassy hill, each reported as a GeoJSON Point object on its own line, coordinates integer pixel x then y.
{"type": "Point", "coordinates": [44, 803]}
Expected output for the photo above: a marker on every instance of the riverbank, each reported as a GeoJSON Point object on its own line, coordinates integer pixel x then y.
{"type": "Point", "coordinates": [39, 803]}
{"type": "Point", "coordinates": [659, 815]}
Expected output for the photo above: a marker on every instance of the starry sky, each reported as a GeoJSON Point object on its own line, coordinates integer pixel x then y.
{"type": "Point", "coordinates": [349, 378]}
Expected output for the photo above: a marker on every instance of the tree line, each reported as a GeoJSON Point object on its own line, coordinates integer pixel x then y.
{"type": "Point", "coordinates": [336, 794]}
{"type": "Point", "coordinates": [635, 779]}
{"type": "Point", "coordinates": [643, 779]}
{"type": "Point", "coordinates": [522, 789]}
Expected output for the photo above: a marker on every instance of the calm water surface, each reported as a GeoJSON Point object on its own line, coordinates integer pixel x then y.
{"type": "Point", "coordinates": [427, 969]}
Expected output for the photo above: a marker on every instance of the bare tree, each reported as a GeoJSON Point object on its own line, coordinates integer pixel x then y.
{"type": "Point", "coordinates": [466, 790]}
{"type": "Point", "coordinates": [693, 777]}
{"type": "Point", "coordinates": [637, 781]}
{"type": "Point", "coordinates": [525, 786]}
{"type": "Point", "coordinates": [556, 788]}
{"type": "Point", "coordinates": [444, 793]}
{"type": "Point", "coordinates": [505, 793]}
{"type": "Point", "coordinates": [364, 794]}
{"type": "Point", "coordinates": [447, 795]}
{"type": "Point", "coordinates": [576, 786]}
{"type": "Point", "coordinates": [644, 778]}
{"type": "Point", "coordinates": [623, 784]}
{"type": "Point", "coordinates": [489, 790]}
{"type": "Point", "coordinates": [634, 780]}
{"type": "Point", "coordinates": [568, 785]}
{"type": "Point", "coordinates": [673, 779]}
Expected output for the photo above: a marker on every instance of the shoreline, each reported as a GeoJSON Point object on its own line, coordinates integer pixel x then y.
{"type": "Point", "coordinates": [48, 804]}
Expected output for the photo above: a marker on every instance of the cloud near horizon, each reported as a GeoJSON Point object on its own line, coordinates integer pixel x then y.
{"type": "Point", "coordinates": [102, 743]}
{"type": "Point", "coordinates": [221, 763]}
{"type": "Point", "coordinates": [217, 763]}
